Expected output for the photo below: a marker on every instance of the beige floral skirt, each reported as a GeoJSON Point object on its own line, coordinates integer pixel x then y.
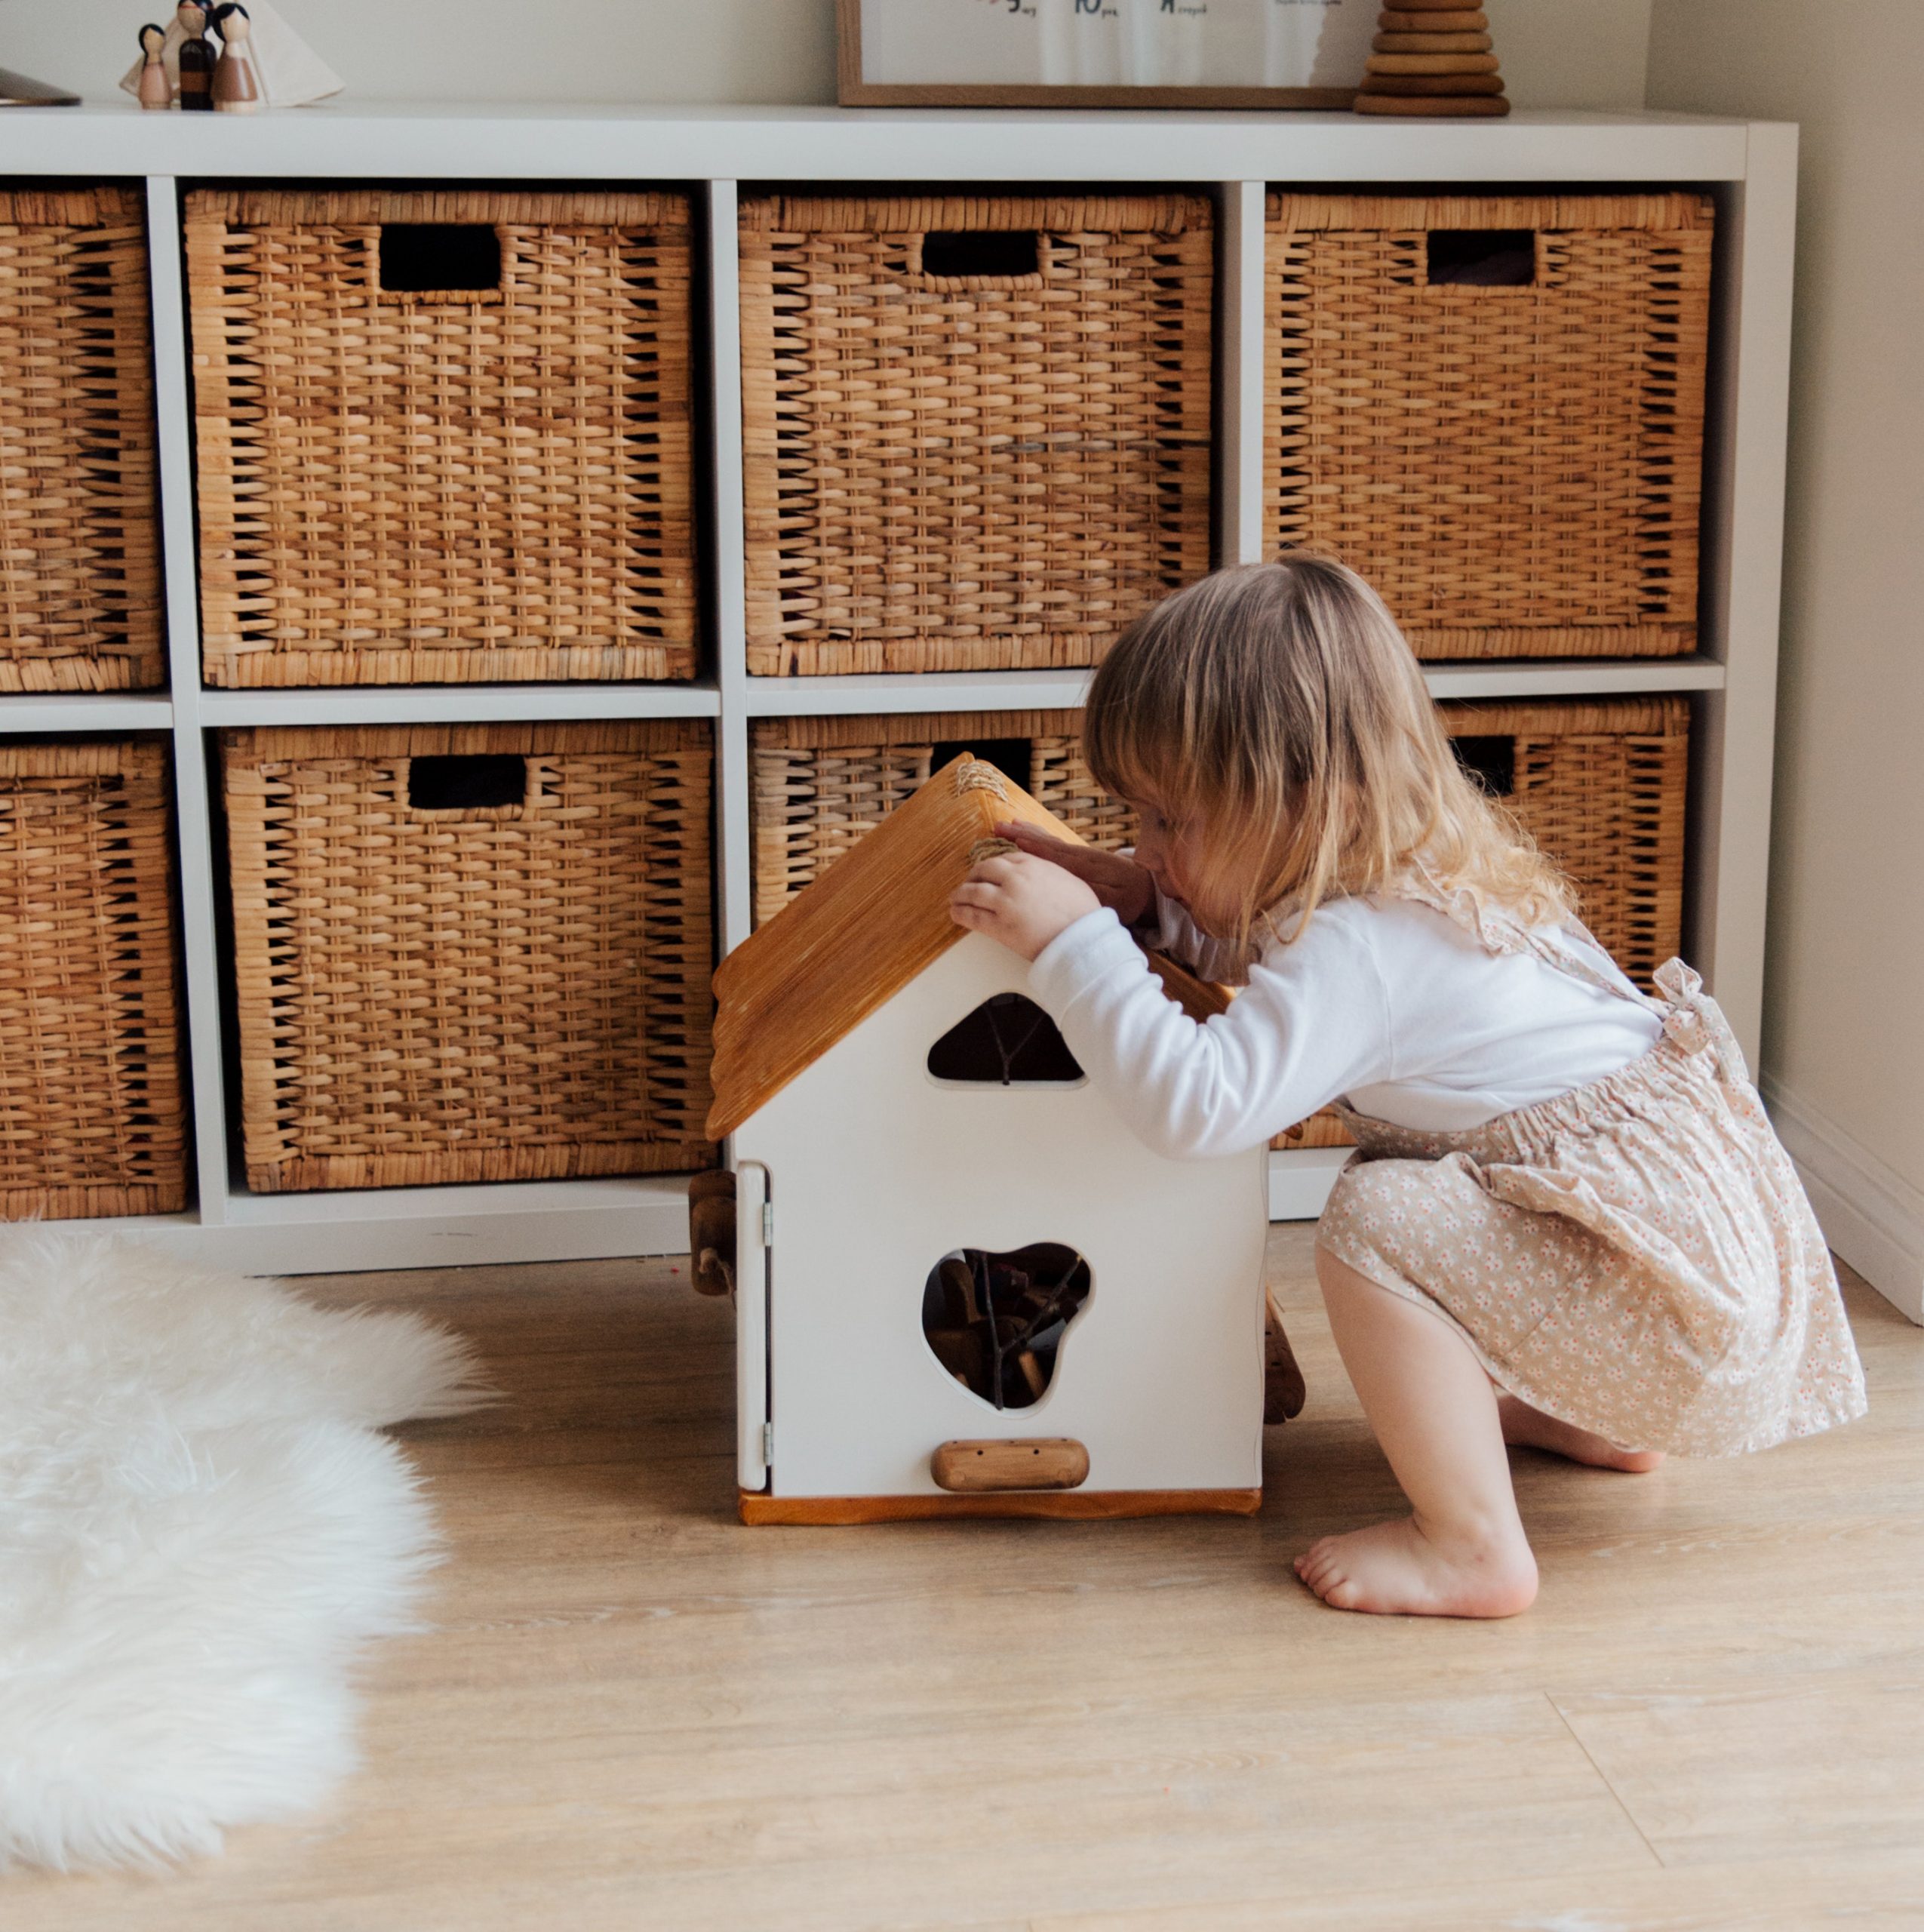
{"type": "Point", "coordinates": [1637, 1258]}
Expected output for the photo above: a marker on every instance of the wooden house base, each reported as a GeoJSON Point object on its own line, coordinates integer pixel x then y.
{"type": "Point", "coordinates": [1075, 1506]}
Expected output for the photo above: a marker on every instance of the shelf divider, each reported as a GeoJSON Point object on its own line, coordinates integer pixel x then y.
{"type": "Point", "coordinates": [1733, 678]}
{"type": "Point", "coordinates": [1727, 896]}
{"type": "Point", "coordinates": [1573, 677]}
{"type": "Point", "coordinates": [732, 776]}
{"type": "Point", "coordinates": [1300, 1179]}
{"type": "Point", "coordinates": [194, 820]}
{"type": "Point", "coordinates": [51, 712]}
{"type": "Point", "coordinates": [1241, 537]}
{"type": "Point", "coordinates": [467, 704]}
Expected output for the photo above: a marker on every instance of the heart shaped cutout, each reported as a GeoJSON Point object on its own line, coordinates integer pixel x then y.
{"type": "Point", "coordinates": [996, 1322]}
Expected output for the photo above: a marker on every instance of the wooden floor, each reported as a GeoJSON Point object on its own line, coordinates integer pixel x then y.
{"type": "Point", "coordinates": [634, 1714]}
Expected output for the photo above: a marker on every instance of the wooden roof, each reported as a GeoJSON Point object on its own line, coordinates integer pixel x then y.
{"type": "Point", "coordinates": [864, 929]}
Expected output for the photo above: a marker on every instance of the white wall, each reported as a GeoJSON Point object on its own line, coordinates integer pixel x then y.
{"type": "Point", "coordinates": [1844, 1024]}
{"type": "Point", "coordinates": [1588, 54]}
{"type": "Point", "coordinates": [1555, 53]}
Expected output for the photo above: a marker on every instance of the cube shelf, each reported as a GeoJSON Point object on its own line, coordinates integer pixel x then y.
{"type": "Point", "coordinates": [619, 651]}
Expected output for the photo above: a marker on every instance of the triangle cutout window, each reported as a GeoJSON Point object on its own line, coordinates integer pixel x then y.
{"type": "Point", "coordinates": [1007, 1041]}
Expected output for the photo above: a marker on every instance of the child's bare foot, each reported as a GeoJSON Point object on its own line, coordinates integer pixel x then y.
{"type": "Point", "coordinates": [1531, 1429]}
{"type": "Point", "coordinates": [1394, 1569]}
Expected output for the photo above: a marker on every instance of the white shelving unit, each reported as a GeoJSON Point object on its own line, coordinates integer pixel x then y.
{"type": "Point", "coordinates": [1750, 167]}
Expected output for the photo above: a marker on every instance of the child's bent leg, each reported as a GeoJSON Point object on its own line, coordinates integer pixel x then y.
{"type": "Point", "coordinates": [1462, 1551]}
{"type": "Point", "coordinates": [1531, 1429]}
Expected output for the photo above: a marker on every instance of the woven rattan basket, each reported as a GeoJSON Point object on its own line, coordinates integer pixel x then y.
{"type": "Point", "coordinates": [471, 952]}
{"type": "Point", "coordinates": [819, 783]}
{"type": "Point", "coordinates": [93, 1115]}
{"type": "Point", "coordinates": [1600, 785]}
{"type": "Point", "coordinates": [976, 430]}
{"type": "Point", "coordinates": [403, 481]}
{"type": "Point", "coordinates": [79, 559]}
{"type": "Point", "coordinates": [1513, 460]}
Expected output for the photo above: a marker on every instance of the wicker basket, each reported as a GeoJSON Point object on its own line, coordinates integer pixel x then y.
{"type": "Point", "coordinates": [1601, 786]}
{"type": "Point", "coordinates": [93, 1113]}
{"type": "Point", "coordinates": [471, 952]}
{"type": "Point", "coordinates": [1513, 461]}
{"type": "Point", "coordinates": [819, 783]}
{"type": "Point", "coordinates": [80, 594]}
{"type": "Point", "coordinates": [976, 431]}
{"type": "Point", "coordinates": [406, 482]}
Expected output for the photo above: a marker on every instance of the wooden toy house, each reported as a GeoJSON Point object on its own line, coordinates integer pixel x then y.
{"type": "Point", "coordinates": [964, 1287]}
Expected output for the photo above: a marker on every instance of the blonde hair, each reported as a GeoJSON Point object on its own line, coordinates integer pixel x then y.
{"type": "Point", "coordinates": [1276, 710]}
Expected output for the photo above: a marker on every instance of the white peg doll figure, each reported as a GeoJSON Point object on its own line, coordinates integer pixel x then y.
{"type": "Point", "coordinates": [156, 90]}
{"type": "Point", "coordinates": [236, 80]}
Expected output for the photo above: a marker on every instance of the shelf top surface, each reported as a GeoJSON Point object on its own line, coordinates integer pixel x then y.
{"type": "Point", "coordinates": [554, 141]}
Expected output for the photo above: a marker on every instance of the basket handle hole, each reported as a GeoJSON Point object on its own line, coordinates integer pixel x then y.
{"type": "Point", "coordinates": [439, 258]}
{"type": "Point", "coordinates": [1012, 757]}
{"type": "Point", "coordinates": [1488, 762]}
{"type": "Point", "coordinates": [979, 254]}
{"type": "Point", "coordinates": [482, 781]}
{"type": "Point", "coordinates": [1482, 257]}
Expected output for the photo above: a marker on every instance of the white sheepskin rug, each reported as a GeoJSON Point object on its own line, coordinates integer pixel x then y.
{"type": "Point", "coordinates": [200, 1528]}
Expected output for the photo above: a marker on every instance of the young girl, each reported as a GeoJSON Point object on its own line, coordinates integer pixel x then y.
{"type": "Point", "coordinates": [1564, 1188]}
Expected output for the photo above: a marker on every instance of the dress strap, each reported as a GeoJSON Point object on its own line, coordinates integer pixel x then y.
{"type": "Point", "coordinates": [1694, 1020]}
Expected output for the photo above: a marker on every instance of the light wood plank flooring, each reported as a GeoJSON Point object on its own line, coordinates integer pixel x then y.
{"type": "Point", "coordinates": [634, 1714]}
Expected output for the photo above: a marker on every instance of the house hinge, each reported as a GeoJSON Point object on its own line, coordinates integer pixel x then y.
{"type": "Point", "coordinates": [768, 1442]}
{"type": "Point", "coordinates": [768, 1224]}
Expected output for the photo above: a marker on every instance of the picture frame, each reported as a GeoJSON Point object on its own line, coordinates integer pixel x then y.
{"type": "Point", "coordinates": [873, 76]}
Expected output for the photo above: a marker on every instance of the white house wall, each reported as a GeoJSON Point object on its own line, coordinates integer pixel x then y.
{"type": "Point", "coordinates": [876, 1171]}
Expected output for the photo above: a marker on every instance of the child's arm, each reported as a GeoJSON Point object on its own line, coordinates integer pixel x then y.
{"type": "Point", "coordinates": [1313, 1024]}
{"type": "Point", "coordinates": [1128, 891]}
{"type": "Point", "coordinates": [1173, 931]}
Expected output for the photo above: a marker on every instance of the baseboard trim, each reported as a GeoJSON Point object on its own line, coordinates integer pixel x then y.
{"type": "Point", "coordinates": [1871, 1215]}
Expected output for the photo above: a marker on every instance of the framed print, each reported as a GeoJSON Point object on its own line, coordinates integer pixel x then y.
{"type": "Point", "coordinates": [1261, 54]}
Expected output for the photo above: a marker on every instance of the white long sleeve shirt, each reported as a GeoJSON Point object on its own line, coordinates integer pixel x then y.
{"type": "Point", "coordinates": [1387, 1003]}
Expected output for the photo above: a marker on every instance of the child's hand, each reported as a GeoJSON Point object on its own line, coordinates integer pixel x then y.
{"type": "Point", "coordinates": [1119, 883]}
{"type": "Point", "coordinates": [1020, 900]}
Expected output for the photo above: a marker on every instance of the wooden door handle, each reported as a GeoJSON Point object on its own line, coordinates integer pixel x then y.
{"type": "Point", "coordinates": [1022, 1462]}
{"type": "Point", "coordinates": [712, 1231]}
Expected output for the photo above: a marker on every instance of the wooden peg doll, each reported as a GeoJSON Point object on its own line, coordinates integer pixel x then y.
{"type": "Point", "coordinates": [236, 80]}
{"type": "Point", "coordinates": [155, 91]}
{"type": "Point", "coordinates": [194, 61]}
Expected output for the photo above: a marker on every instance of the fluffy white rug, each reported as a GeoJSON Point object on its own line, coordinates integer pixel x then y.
{"type": "Point", "coordinates": [199, 1528]}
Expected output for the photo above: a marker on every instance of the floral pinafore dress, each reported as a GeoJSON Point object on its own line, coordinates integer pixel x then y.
{"type": "Point", "coordinates": [1637, 1257]}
